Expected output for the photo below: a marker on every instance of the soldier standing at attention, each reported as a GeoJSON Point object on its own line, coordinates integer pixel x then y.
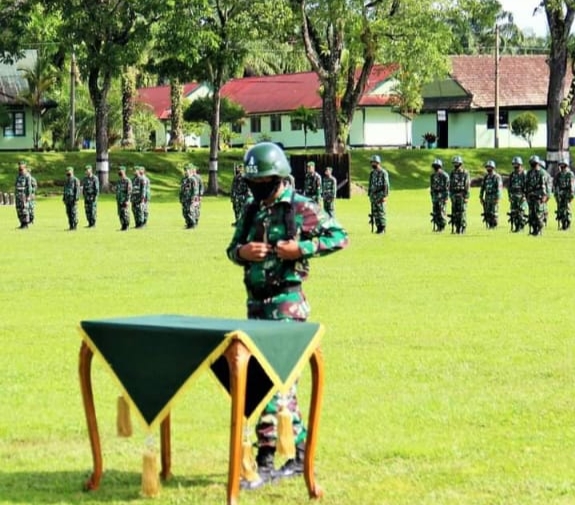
{"type": "Point", "coordinates": [312, 183]}
{"type": "Point", "coordinates": [329, 191]}
{"type": "Point", "coordinates": [188, 192]}
{"type": "Point", "coordinates": [90, 192]}
{"type": "Point", "coordinates": [34, 188]}
{"type": "Point", "coordinates": [71, 197]}
{"type": "Point", "coordinates": [137, 197]}
{"type": "Point", "coordinates": [276, 236]}
{"type": "Point", "coordinates": [459, 184]}
{"type": "Point", "coordinates": [563, 187]}
{"type": "Point", "coordinates": [23, 194]}
{"type": "Point", "coordinates": [123, 197]}
{"type": "Point", "coordinates": [490, 194]}
{"type": "Point", "coordinates": [197, 204]}
{"type": "Point", "coordinates": [516, 193]}
{"type": "Point", "coordinates": [439, 191]}
{"type": "Point", "coordinates": [240, 192]}
{"type": "Point", "coordinates": [537, 192]}
{"type": "Point", "coordinates": [378, 191]}
{"type": "Point", "coordinates": [147, 192]}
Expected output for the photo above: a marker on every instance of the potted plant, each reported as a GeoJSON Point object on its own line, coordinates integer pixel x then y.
{"type": "Point", "coordinates": [430, 139]}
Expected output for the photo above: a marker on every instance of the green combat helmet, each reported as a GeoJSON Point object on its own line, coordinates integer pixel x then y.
{"type": "Point", "coordinates": [375, 159]}
{"type": "Point", "coordinates": [535, 160]}
{"type": "Point", "coordinates": [457, 160]}
{"type": "Point", "coordinates": [490, 164]}
{"type": "Point", "coordinates": [517, 160]}
{"type": "Point", "coordinates": [264, 160]}
{"type": "Point", "coordinates": [437, 163]}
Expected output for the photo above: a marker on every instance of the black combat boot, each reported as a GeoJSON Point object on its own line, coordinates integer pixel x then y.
{"type": "Point", "coordinates": [380, 229]}
{"type": "Point", "coordinates": [293, 467]}
{"type": "Point", "coordinates": [266, 470]}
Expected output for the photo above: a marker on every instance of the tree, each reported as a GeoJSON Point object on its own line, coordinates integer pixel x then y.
{"type": "Point", "coordinates": [144, 122]}
{"type": "Point", "coordinates": [560, 107]}
{"type": "Point", "coordinates": [343, 40]}
{"type": "Point", "coordinates": [107, 35]}
{"type": "Point", "coordinates": [201, 110]}
{"type": "Point", "coordinates": [128, 106]}
{"type": "Point", "coordinates": [14, 18]}
{"type": "Point", "coordinates": [305, 118]}
{"type": "Point", "coordinates": [525, 125]}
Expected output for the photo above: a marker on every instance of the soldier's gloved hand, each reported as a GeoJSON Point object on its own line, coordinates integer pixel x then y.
{"type": "Point", "coordinates": [254, 251]}
{"type": "Point", "coordinates": [288, 250]}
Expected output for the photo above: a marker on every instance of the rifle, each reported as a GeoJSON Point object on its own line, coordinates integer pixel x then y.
{"type": "Point", "coordinates": [371, 221]}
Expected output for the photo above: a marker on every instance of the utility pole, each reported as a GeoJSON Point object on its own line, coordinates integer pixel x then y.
{"type": "Point", "coordinates": [496, 113]}
{"type": "Point", "coordinates": [73, 101]}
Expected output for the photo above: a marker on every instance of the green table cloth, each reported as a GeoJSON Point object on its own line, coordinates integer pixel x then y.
{"type": "Point", "coordinates": [155, 357]}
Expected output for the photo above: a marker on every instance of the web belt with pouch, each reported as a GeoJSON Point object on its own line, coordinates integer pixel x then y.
{"type": "Point", "coordinates": [265, 292]}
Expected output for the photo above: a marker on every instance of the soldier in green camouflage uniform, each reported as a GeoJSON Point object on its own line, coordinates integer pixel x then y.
{"type": "Point", "coordinates": [23, 193]}
{"type": "Point", "coordinates": [459, 184]}
{"type": "Point", "coordinates": [537, 193]}
{"type": "Point", "coordinates": [312, 183]}
{"type": "Point", "coordinates": [34, 188]}
{"type": "Point", "coordinates": [147, 192]}
{"type": "Point", "coordinates": [240, 192]}
{"type": "Point", "coordinates": [517, 199]}
{"type": "Point", "coordinates": [197, 203]}
{"type": "Point", "coordinates": [490, 194]}
{"type": "Point", "coordinates": [276, 236]}
{"type": "Point", "coordinates": [90, 192]}
{"type": "Point", "coordinates": [70, 198]}
{"type": "Point", "coordinates": [378, 191]}
{"type": "Point", "coordinates": [188, 193]}
{"type": "Point", "coordinates": [563, 188]}
{"type": "Point", "coordinates": [439, 191]}
{"type": "Point", "coordinates": [137, 197]}
{"type": "Point", "coordinates": [123, 197]}
{"type": "Point", "coordinates": [329, 191]}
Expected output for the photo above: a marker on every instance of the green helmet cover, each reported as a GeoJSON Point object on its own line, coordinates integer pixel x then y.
{"type": "Point", "coordinates": [457, 160]}
{"type": "Point", "coordinates": [264, 160]}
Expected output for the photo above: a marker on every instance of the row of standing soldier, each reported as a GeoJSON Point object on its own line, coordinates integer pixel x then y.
{"type": "Point", "coordinates": [528, 191]}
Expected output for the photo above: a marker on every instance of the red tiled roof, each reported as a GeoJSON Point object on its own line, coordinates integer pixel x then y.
{"type": "Point", "coordinates": [159, 98]}
{"type": "Point", "coordinates": [523, 80]}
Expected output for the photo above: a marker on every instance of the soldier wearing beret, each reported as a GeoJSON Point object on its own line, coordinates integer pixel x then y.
{"type": "Point", "coordinates": [70, 197]}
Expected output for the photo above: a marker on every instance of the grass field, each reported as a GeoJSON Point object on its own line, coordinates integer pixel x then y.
{"type": "Point", "coordinates": [449, 359]}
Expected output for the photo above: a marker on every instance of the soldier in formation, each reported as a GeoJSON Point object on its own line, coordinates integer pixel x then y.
{"type": "Point", "coordinates": [147, 192]}
{"type": "Point", "coordinates": [563, 188]}
{"type": "Point", "coordinates": [90, 192]}
{"type": "Point", "coordinates": [188, 195]}
{"type": "Point", "coordinates": [459, 184]}
{"type": "Point", "coordinates": [275, 237]}
{"type": "Point", "coordinates": [32, 203]}
{"type": "Point", "coordinates": [197, 204]}
{"type": "Point", "coordinates": [329, 191]}
{"type": "Point", "coordinates": [490, 194]}
{"type": "Point", "coordinates": [537, 192]}
{"type": "Point", "coordinates": [312, 183]}
{"type": "Point", "coordinates": [70, 198]}
{"type": "Point", "coordinates": [439, 191]}
{"type": "Point", "coordinates": [378, 191]}
{"type": "Point", "coordinates": [240, 192]}
{"type": "Point", "coordinates": [123, 198]}
{"type": "Point", "coordinates": [23, 195]}
{"type": "Point", "coordinates": [137, 197]}
{"type": "Point", "coordinates": [517, 197]}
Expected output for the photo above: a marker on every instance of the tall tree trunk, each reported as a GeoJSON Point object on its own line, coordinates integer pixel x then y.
{"type": "Point", "coordinates": [128, 106]}
{"type": "Point", "coordinates": [214, 143]}
{"type": "Point", "coordinates": [99, 97]}
{"type": "Point", "coordinates": [177, 117]}
{"type": "Point", "coordinates": [331, 119]}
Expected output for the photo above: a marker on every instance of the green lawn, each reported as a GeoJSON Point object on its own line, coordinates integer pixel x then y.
{"type": "Point", "coordinates": [449, 359]}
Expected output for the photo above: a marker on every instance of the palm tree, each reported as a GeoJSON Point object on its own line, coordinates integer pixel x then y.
{"type": "Point", "coordinates": [306, 118]}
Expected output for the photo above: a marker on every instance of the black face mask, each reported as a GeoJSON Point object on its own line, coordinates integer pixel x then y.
{"type": "Point", "coordinates": [264, 190]}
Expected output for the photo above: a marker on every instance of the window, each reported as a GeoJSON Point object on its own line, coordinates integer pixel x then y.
{"type": "Point", "coordinates": [295, 124]}
{"type": "Point", "coordinates": [17, 126]}
{"type": "Point", "coordinates": [255, 124]}
{"type": "Point", "coordinates": [319, 121]}
{"type": "Point", "coordinates": [276, 122]}
{"type": "Point", "coordinates": [237, 127]}
{"type": "Point", "coordinates": [503, 120]}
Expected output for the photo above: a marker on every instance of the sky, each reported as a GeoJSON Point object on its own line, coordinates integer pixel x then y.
{"type": "Point", "coordinates": [523, 17]}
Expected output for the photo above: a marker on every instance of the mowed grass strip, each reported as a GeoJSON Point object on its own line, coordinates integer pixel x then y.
{"type": "Point", "coordinates": [449, 359]}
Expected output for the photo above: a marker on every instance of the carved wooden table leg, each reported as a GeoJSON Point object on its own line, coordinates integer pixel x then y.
{"type": "Point", "coordinates": [237, 356]}
{"type": "Point", "coordinates": [317, 378]}
{"type": "Point", "coordinates": [166, 448]}
{"type": "Point", "coordinates": [85, 368]}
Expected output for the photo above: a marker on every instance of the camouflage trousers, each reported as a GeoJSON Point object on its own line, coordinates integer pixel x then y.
{"type": "Point", "coordinates": [32, 209]}
{"type": "Point", "coordinates": [138, 212]}
{"type": "Point", "coordinates": [72, 213]}
{"type": "Point", "coordinates": [329, 206]}
{"type": "Point", "coordinates": [22, 210]}
{"type": "Point", "coordinates": [289, 307]}
{"type": "Point", "coordinates": [90, 208]}
{"type": "Point", "coordinates": [563, 212]}
{"type": "Point", "coordinates": [458, 213]}
{"type": "Point", "coordinates": [491, 213]}
{"type": "Point", "coordinates": [197, 207]}
{"type": "Point", "coordinates": [238, 206]}
{"type": "Point", "coordinates": [439, 213]}
{"type": "Point", "coordinates": [518, 210]}
{"type": "Point", "coordinates": [124, 215]}
{"type": "Point", "coordinates": [145, 211]}
{"type": "Point", "coordinates": [536, 215]}
{"type": "Point", "coordinates": [378, 211]}
{"type": "Point", "coordinates": [188, 213]}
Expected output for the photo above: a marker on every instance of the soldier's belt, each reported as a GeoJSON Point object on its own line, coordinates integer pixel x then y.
{"type": "Point", "coordinates": [264, 292]}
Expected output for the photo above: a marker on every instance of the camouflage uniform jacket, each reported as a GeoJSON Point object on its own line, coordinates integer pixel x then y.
{"type": "Point", "coordinates": [137, 195]}
{"type": "Point", "coordinates": [537, 184]}
{"type": "Point", "coordinates": [200, 184]}
{"type": "Point", "coordinates": [439, 185]}
{"type": "Point", "coordinates": [564, 184]}
{"type": "Point", "coordinates": [312, 185]}
{"type": "Point", "coordinates": [23, 187]}
{"type": "Point", "coordinates": [146, 188]}
{"type": "Point", "coordinates": [329, 187]}
{"type": "Point", "coordinates": [240, 190]}
{"type": "Point", "coordinates": [123, 191]}
{"type": "Point", "coordinates": [90, 188]}
{"type": "Point", "coordinates": [516, 185]}
{"type": "Point", "coordinates": [188, 189]}
{"type": "Point", "coordinates": [459, 182]}
{"type": "Point", "coordinates": [33, 187]}
{"type": "Point", "coordinates": [378, 187]}
{"type": "Point", "coordinates": [71, 190]}
{"type": "Point", "coordinates": [316, 233]}
{"type": "Point", "coordinates": [491, 187]}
